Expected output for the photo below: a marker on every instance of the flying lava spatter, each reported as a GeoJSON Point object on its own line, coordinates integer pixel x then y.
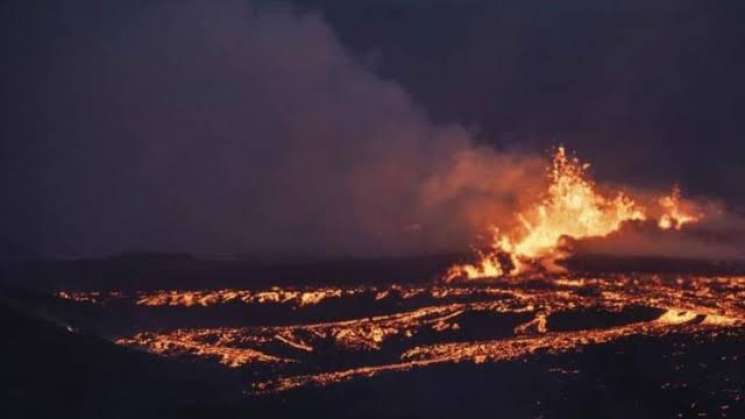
{"type": "Point", "coordinates": [572, 207]}
{"type": "Point", "coordinates": [675, 215]}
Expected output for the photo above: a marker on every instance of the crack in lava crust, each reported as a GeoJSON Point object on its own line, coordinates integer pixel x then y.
{"type": "Point", "coordinates": [400, 327]}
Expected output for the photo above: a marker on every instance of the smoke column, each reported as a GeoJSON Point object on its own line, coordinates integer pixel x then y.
{"type": "Point", "coordinates": [211, 128]}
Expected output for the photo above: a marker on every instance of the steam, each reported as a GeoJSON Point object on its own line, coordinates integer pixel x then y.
{"type": "Point", "coordinates": [214, 128]}
{"type": "Point", "coordinates": [717, 237]}
{"type": "Point", "coordinates": [229, 128]}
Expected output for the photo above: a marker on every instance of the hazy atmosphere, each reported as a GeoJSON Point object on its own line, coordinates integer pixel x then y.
{"type": "Point", "coordinates": [372, 209]}
{"type": "Point", "coordinates": [301, 128]}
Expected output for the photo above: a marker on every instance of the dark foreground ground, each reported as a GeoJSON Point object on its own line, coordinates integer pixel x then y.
{"type": "Point", "coordinates": [52, 370]}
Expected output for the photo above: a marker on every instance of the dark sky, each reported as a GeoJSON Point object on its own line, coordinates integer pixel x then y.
{"type": "Point", "coordinates": [657, 85]}
{"type": "Point", "coordinates": [348, 127]}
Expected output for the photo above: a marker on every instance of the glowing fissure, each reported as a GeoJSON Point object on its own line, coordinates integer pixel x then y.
{"type": "Point", "coordinates": [572, 207]}
{"type": "Point", "coordinates": [449, 323]}
{"type": "Point", "coordinates": [712, 310]}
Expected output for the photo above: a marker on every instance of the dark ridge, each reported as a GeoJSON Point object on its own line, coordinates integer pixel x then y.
{"type": "Point", "coordinates": [50, 372]}
{"type": "Point", "coordinates": [155, 271]}
{"type": "Point", "coordinates": [596, 263]}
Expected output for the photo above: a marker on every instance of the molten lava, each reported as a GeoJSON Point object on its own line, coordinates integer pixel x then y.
{"type": "Point", "coordinates": [572, 207]}
{"type": "Point", "coordinates": [676, 214]}
{"type": "Point", "coordinates": [394, 328]}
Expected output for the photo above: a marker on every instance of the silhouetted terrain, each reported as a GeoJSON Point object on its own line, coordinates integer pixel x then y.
{"type": "Point", "coordinates": [143, 271]}
{"type": "Point", "coordinates": [50, 372]}
{"type": "Point", "coordinates": [611, 347]}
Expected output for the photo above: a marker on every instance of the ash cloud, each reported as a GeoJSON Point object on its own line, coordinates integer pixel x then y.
{"type": "Point", "coordinates": [649, 91]}
{"type": "Point", "coordinates": [717, 237]}
{"type": "Point", "coordinates": [226, 128]}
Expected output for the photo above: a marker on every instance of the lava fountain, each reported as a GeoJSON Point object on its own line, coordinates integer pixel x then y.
{"type": "Point", "coordinates": [676, 214]}
{"type": "Point", "coordinates": [572, 207]}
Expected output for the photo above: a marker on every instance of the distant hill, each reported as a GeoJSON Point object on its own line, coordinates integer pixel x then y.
{"type": "Point", "coordinates": [14, 252]}
{"type": "Point", "coordinates": [149, 271]}
{"type": "Point", "coordinates": [51, 372]}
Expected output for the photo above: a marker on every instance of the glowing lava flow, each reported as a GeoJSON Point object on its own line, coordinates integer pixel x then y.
{"type": "Point", "coordinates": [572, 208]}
{"type": "Point", "coordinates": [403, 327]}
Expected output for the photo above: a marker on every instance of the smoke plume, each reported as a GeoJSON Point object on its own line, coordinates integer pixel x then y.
{"type": "Point", "coordinates": [233, 127]}
{"type": "Point", "coordinates": [224, 127]}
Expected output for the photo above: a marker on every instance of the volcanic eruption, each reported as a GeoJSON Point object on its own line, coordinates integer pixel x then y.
{"type": "Point", "coordinates": [290, 190]}
{"type": "Point", "coordinates": [572, 207]}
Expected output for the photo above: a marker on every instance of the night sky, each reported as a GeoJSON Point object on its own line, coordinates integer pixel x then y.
{"type": "Point", "coordinates": [337, 127]}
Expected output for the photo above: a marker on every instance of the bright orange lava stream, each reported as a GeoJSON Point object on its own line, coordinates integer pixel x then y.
{"type": "Point", "coordinates": [572, 207]}
{"type": "Point", "coordinates": [392, 328]}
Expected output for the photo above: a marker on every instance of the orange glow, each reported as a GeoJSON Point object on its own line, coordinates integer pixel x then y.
{"type": "Point", "coordinates": [675, 214]}
{"type": "Point", "coordinates": [433, 324]}
{"type": "Point", "coordinates": [571, 208]}
{"type": "Point", "coordinates": [206, 298]}
{"type": "Point", "coordinates": [712, 309]}
{"type": "Point", "coordinates": [208, 343]}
